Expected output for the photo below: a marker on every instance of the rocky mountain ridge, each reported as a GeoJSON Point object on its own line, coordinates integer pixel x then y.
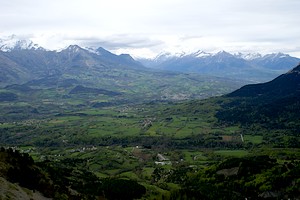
{"type": "Point", "coordinates": [250, 66]}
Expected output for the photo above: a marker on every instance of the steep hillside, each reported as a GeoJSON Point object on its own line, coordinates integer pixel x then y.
{"type": "Point", "coordinates": [274, 104]}
{"type": "Point", "coordinates": [283, 86]}
{"type": "Point", "coordinates": [22, 178]}
{"type": "Point", "coordinates": [11, 72]}
{"type": "Point", "coordinates": [22, 65]}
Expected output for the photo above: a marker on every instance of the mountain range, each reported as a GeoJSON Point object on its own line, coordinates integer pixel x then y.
{"type": "Point", "coordinates": [180, 76]}
{"type": "Point", "coordinates": [251, 67]}
{"type": "Point", "coordinates": [22, 61]}
{"type": "Point", "coordinates": [98, 72]}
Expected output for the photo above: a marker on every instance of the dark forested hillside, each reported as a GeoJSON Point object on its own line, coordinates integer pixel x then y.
{"type": "Point", "coordinates": [275, 103]}
{"type": "Point", "coordinates": [283, 86]}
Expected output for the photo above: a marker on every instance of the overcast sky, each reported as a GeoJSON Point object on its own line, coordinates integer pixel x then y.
{"type": "Point", "coordinates": [148, 27]}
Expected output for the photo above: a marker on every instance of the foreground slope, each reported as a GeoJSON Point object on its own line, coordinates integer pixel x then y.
{"type": "Point", "coordinates": [22, 178]}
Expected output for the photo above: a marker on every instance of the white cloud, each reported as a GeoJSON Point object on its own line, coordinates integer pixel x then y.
{"type": "Point", "coordinates": [151, 26]}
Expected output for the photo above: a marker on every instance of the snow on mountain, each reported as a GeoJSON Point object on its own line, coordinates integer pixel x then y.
{"type": "Point", "coordinates": [273, 56]}
{"type": "Point", "coordinates": [276, 61]}
{"type": "Point", "coordinates": [92, 50]}
{"type": "Point", "coordinates": [12, 42]}
{"type": "Point", "coordinates": [178, 61]}
{"type": "Point", "coordinates": [223, 54]}
{"type": "Point", "coordinates": [167, 55]}
{"type": "Point", "coordinates": [249, 66]}
{"type": "Point", "coordinates": [73, 48]}
{"type": "Point", "coordinates": [200, 54]}
{"type": "Point", "coordinates": [164, 56]}
{"type": "Point", "coordinates": [248, 56]}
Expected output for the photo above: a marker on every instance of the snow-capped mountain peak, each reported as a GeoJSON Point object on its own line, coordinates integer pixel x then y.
{"type": "Point", "coordinates": [223, 54]}
{"type": "Point", "coordinates": [74, 48]}
{"type": "Point", "coordinates": [278, 55]}
{"type": "Point", "coordinates": [248, 56]}
{"type": "Point", "coordinates": [201, 54]}
{"type": "Point", "coordinates": [12, 42]}
{"type": "Point", "coordinates": [282, 55]}
{"type": "Point", "coordinates": [92, 50]}
{"type": "Point", "coordinates": [167, 55]}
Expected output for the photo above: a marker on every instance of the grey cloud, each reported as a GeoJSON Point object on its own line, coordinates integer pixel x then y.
{"type": "Point", "coordinates": [190, 37]}
{"type": "Point", "coordinates": [117, 41]}
{"type": "Point", "coordinates": [213, 24]}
